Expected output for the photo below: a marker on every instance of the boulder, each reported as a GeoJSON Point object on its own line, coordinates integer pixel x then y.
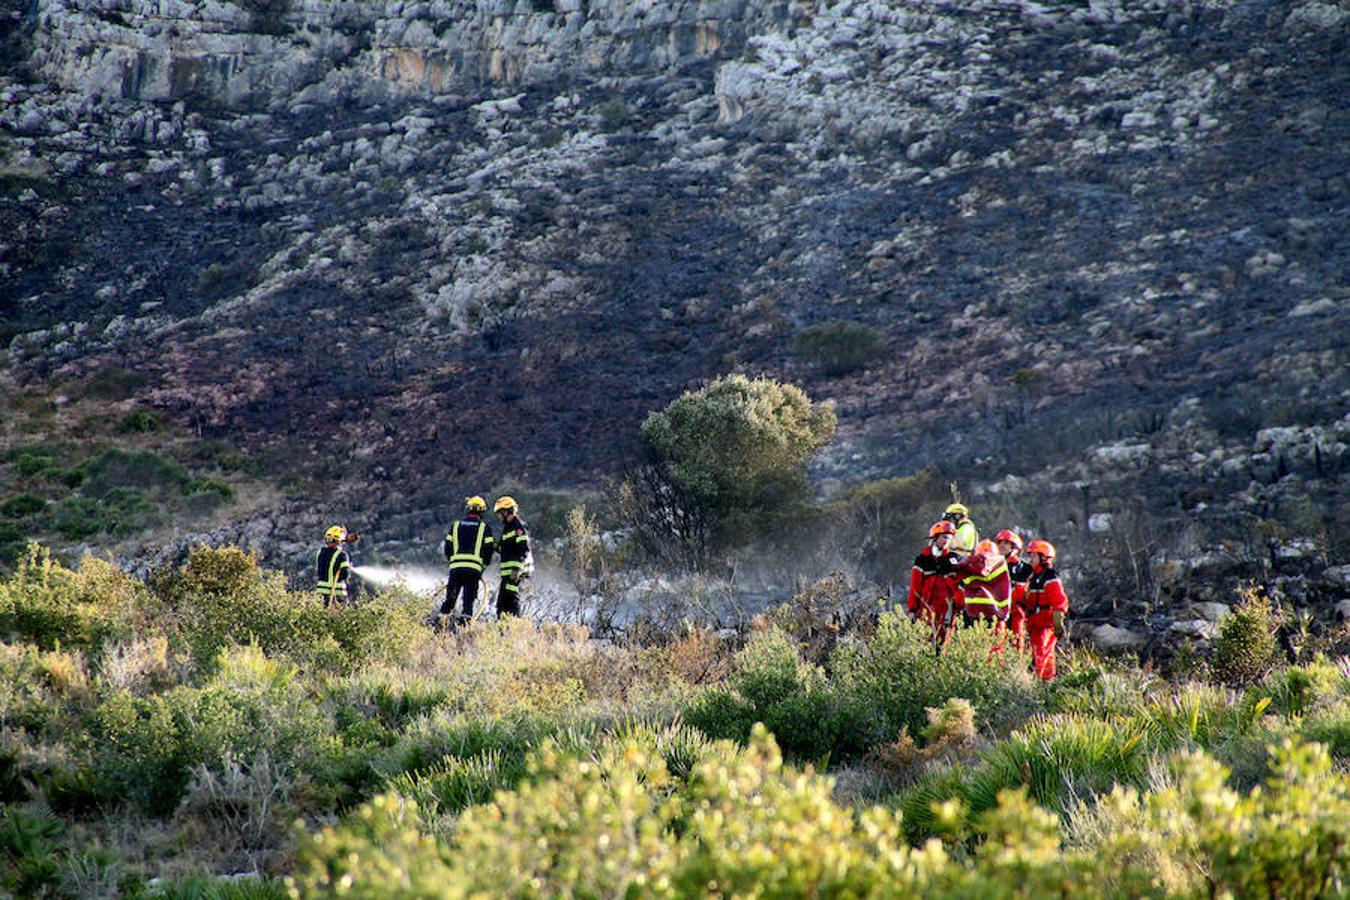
{"type": "Point", "coordinates": [1116, 640]}
{"type": "Point", "coordinates": [1210, 612]}
{"type": "Point", "coordinates": [1337, 576]}
{"type": "Point", "coordinates": [1195, 628]}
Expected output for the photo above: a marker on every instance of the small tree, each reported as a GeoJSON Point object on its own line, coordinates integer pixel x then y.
{"type": "Point", "coordinates": [721, 461]}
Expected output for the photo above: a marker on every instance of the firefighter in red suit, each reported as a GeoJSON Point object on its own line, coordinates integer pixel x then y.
{"type": "Point", "coordinates": [1019, 571]}
{"type": "Point", "coordinates": [986, 588]}
{"type": "Point", "coordinates": [1046, 605]}
{"type": "Point", "coordinates": [931, 589]}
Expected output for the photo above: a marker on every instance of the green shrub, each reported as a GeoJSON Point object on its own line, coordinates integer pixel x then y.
{"type": "Point", "coordinates": [618, 824]}
{"type": "Point", "coordinates": [212, 489]}
{"type": "Point", "coordinates": [47, 604]}
{"type": "Point", "coordinates": [840, 347]}
{"type": "Point", "coordinates": [1301, 690]}
{"type": "Point", "coordinates": [221, 597]}
{"type": "Point", "coordinates": [140, 421]}
{"type": "Point", "coordinates": [455, 783]}
{"type": "Point", "coordinates": [204, 887]}
{"type": "Point", "coordinates": [114, 383]}
{"type": "Point", "coordinates": [613, 114]}
{"type": "Point", "coordinates": [771, 684]}
{"type": "Point", "coordinates": [22, 505]}
{"type": "Point", "coordinates": [886, 519]}
{"type": "Point", "coordinates": [147, 748]}
{"type": "Point", "coordinates": [1331, 726]}
{"type": "Point", "coordinates": [896, 676]}
{"type": "Point", "coordinates": [126, 511]}
{"type": "Point", "coordinates": [28, 465]}
{"type": "Point", "coordinates": [1202, 838]}
{"type": "Point", "coordinates": [30, 854]}
{"type": "Point", "coordinates": [1245, 649]}
{"type": "Point", "coordinates": [721, 714]}
{"type": "Point", "coordinates": [141, 469]}
{"type": "Point", "coordinates": [217, 454]}
{"type": "Point", "coordinates": [77, 518]}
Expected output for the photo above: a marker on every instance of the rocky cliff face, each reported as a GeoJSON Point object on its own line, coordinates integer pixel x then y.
{"type": "Point", "coordinates": [254, 52]}
{"type": "Point", "coordinates": [464, 242]}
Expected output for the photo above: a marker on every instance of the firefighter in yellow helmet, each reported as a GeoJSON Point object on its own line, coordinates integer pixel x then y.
{"type": "Point", "coordinates": [966, 537]}
{"type": "Point", "coordinates": [468, 548]}
{"type": "Point", "coordinates": [333, 567]}
{"type": "Point", "coordinates": [517, 562]}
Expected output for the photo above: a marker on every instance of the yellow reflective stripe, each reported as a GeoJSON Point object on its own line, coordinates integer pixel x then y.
{"type": "Point", "coordinates": [1001, 570]}
{"type": "Point", "coordinates": [476, 556]}
{"type": "Point", "coordinates": [511, 566]}
{"type": "Point", "coordinates": [327, 584]}
{"type": "Point", "coordinates": [989, 601]}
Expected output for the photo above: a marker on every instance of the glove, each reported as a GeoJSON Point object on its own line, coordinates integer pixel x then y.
{"type": "Point", "coordinates": [1058, 618]}
{"type": "Point", "coordinates": [352, 537]}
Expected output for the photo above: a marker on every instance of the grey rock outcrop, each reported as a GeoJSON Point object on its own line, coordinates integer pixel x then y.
{"type": "Point", "coordinates": [254, 52]}
{"type": "Point", "coordinates": [1113, 639]}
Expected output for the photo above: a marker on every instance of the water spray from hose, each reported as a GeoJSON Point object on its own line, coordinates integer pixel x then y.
{"type": "Point", "coordinates": [419, 581]}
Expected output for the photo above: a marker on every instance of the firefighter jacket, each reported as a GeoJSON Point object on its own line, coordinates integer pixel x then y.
{"type": "Point", "coordinates": [985, 584]}
{"type": "Point", "coordinates": [1045, 597]}
{"type": "Point", "coordinates": [966, 537]}
{"type": "Point", "coordinates": [469, 545]}
{"type": "Point", "coordinates": [332, 568]}
{"type": "Point", "coordinates": [929, 580]}
{"type": "Point", "coordinates": [517, 560]}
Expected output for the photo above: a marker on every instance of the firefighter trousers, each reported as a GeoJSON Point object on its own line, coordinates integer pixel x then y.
{"type": "Point", "coordinates": [462, 582]}
{"type": "Point", "coordinates": [508, 597]}
{"type": "Point", "coordinates": [1043, 643]}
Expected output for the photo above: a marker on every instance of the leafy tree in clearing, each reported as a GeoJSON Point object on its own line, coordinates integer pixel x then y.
{"type": "Point", "coordinates": [723, 462]}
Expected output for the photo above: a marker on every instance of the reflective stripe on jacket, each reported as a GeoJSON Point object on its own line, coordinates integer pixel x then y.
{"type": "Point", "coordinates": [1045, 597]}
{"type": "Point", "coordinates": [469, 545]}
{"type": "Point", "coordinates": [515, 549]}
{"type": "Point", "coordinates": [331, 569]}
{"type": "Point", "coordinates": [987, 593]}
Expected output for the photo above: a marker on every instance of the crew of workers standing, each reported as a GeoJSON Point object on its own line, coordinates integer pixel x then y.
{"type": "Point", "coordinates": [958, 578]}
{"type": "Point", "coordinates": [469, 547]}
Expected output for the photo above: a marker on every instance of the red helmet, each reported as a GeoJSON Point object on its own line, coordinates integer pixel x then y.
{"type": "Point", "coordinates": [1044, 548]}
{"type": "Point", "coordinates": [1009, 536]}
{"type": "Point", "coordinates": [943, 527]}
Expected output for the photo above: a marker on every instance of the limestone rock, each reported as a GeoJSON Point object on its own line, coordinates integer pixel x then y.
{"type": "Point", "coordinates": [1112, 639]}
{"type": "Point", "coordinates": [1195, 628]}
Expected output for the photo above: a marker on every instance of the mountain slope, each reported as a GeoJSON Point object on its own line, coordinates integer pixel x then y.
{"type": "Point", "coordinates": [412, 249]}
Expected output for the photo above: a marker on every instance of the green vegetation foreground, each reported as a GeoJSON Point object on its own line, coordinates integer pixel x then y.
{"type": "Point", "coordinates": [213, 723]}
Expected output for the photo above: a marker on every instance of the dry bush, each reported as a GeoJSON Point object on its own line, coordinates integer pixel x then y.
{"type": "Point", "coordinates": [142, 665]}
{"type": "Point", "coordinates": [239, 810]}
{"type": "Point", "coordinates": [816, 615]}
{"type": "Point", "coordinates": [65, 673]}
{"type": "Point", "coordinates": [949, 737]}
{"type": "Point", "coordinates": [699, 656]}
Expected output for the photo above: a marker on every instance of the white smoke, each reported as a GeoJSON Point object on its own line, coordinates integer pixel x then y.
{"type": "Point", "coordinates": [419, 581]}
